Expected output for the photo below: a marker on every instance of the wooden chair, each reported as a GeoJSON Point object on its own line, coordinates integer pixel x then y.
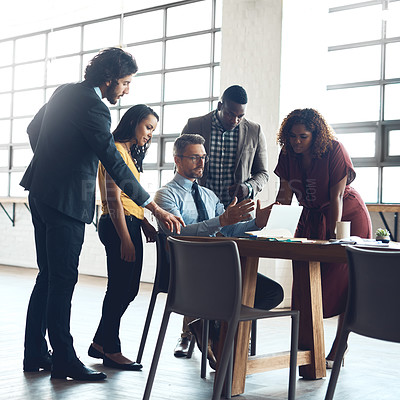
{"type": "Point", "coordinates": [192, 292]}
{"type": "Point", "coordinates": [373, 302]}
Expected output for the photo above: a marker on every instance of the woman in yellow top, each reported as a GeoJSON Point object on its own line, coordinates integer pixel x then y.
{"type": "Point", "coordinates": [120, 232]}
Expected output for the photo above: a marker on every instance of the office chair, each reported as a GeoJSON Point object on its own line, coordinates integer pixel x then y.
{"type": "Point", "coordinates": [373, 301]}
{"type": "Point", "coordinates": [161, 282]}
{"type": "Point", "coordinates": [192, 292]}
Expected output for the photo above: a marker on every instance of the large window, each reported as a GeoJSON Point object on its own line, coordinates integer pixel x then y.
{"type": "Point", "coordinates": [364, 92]}
{"type": "Point", "coordinates": [177, 48]}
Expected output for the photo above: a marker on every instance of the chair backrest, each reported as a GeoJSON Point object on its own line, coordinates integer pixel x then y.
{"type": "Point", "coordinates": [205, 279]}
{"type": "Point", "coordinates": [373, 304]}
{"type": "Point", "coordinates": [161, 280]}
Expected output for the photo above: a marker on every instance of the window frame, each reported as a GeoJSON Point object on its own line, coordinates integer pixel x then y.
{"type": "Point", "coordinates": [162, 137]}
{"type": "Point", "coordinates": [381, 127]}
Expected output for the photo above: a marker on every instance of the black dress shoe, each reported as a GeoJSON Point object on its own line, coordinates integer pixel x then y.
{"type": "Point", "coordinates": [182, 347]}
{"type": "Point", "coordinates": [34, 365]}
{"type": "Point", "coordinates": [77, 371]}
{"type": "Point", "coordinates": [133, 366]}
{"type": "Point", "coordinates": [93, 352]}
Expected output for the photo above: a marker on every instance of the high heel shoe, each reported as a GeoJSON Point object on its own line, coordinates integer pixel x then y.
{"type": "Point", "coordinates": [329, 363]}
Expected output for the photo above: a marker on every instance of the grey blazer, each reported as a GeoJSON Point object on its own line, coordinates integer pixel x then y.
{"type": "Point", "coordinates": [68, 136]}
{"type": "Point", "coordinates": [251, 157]}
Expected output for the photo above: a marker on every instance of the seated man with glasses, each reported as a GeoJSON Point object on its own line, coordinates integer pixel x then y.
{"type": "Point", "coordinates": [205, 215]}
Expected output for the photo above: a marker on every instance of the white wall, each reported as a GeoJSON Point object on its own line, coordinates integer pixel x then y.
{"type": "Point", "coordinates": [251, 57]}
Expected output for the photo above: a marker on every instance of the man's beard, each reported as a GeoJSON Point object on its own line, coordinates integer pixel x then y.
{"type": "Point", "coordinates": [111, 96]}
{"type": "Point", "coordinates": [196, 175]}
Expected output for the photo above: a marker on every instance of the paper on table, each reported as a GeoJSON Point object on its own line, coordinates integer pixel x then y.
{"type": "Point", "coordinates": [256, 235]}
{"type": "Point", "coordinates": [356, 240]}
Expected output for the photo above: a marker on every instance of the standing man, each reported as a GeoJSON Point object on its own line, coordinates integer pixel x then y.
{"type": "Point", "coordinates": [205, 215]}
{"type": "Point", "coordinates": [238, 158]}
{"type": "Point", "coordinates": [68, 137]}
{"type": "Point", "coordinates": [236, 146]}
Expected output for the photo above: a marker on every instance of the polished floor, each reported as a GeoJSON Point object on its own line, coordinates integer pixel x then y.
{"type": "Point", "coordinates": [371, 369]}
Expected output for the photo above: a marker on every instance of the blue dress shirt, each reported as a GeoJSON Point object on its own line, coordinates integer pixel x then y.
{"type": "Point", "coordinates": [176, 197]}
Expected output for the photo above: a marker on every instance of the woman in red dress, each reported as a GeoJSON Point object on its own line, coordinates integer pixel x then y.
{"type": "Point", "coordinates": [315, 167]}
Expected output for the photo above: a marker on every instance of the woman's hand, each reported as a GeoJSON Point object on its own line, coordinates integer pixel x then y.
{"type": "Point", "coordinates": [127, 250]}
{"type": "Point", "coordinates": [149, 231]}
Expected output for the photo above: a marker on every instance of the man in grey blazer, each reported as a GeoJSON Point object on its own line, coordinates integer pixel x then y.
{"type": "Point", "coordinates": [238, 159]}
{"type": "Point", "coordinates": [68, 137]}
{"type": "Point", "coordinates": [236, 146]}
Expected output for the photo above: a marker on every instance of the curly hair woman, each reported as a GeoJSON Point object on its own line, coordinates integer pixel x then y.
{"type": "Point", "coordinates": [315, 167]}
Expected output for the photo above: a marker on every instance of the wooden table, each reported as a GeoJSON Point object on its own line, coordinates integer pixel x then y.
{"type": "Point", "coordinates": [311, 357]}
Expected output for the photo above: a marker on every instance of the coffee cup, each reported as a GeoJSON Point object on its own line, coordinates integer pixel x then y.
{"type": "Point", "coordinates": [343, 229]}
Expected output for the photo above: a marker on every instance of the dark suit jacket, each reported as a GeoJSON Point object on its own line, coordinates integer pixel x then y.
{"type": "Point", "coordinates": [251, 156]}
{"type": "Point", "coordinates": [69, 135]}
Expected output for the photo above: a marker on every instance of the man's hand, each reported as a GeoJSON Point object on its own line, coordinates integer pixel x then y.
{"type": "Point", "coordinates": [262, 214]}
{"type": "Point", "coordinates": [237, 212]}
{"type": "Point", "coordinates": [169, 220]}
{"type": "Point", "coordinates": [149, 231]}
{"type": "Point", "coordinates": [239, 190]}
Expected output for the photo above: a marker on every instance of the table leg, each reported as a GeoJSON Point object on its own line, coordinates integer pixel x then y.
{"type": "Point", "coordinates": [249, 278]}
{"type": "Point", "coordinates": [308, 299]}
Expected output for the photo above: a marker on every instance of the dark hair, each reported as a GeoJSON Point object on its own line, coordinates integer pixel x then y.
{"type": "Point", "coordinates": [236, 94]}
{"type": "Point", "coordinates": [126, 131]}
{"type": "Point", "coordinates": [323, 134]}
{"type": "Point", "coordinates": [110, 65]}
{"type": "Point", "coordinates": [185, 140]}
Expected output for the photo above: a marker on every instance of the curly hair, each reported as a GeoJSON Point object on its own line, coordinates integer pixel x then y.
{"type": "Point", "coordinates": [322, 133]}
{"type": "Point", "coordinates": [110, 64]}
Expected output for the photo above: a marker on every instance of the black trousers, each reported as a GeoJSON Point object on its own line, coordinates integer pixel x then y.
{"type": "Point", "coordinates": [123, 281]}
{"type": "Point", "coordinates": [58, 240]}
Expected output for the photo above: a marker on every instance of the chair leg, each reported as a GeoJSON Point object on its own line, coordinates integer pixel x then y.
{"type": "Point", "coordinates": [337, 364]}
{"type": "Point", "coordinates": [204, 350]}
{"type": "Point", "coordinates": [253, 337]}
{"type": "Point", "coordinates": [156, 356]}
{"type": "Point", "coordinates": [146, 326]}
{"type": "Point", "coordinates": [228, 375]}
{"type": "Point", "coordinates": [222, 370]}
{"type": "Point", "coordinates": [191, 346]}
{"type": "Point", "coordinates": [293, 356]}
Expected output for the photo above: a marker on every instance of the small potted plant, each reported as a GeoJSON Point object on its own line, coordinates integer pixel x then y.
{"type": "Point", "coordinates": [383, 235]}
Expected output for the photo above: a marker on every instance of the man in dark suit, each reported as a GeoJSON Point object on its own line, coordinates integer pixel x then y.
{"type": "Point", "coordinates": [68, 136]}
{"type": "Point", "coordinates": [238, 159]}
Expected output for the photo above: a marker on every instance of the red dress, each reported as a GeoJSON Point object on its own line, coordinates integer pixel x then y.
{"type": "Point", "coordinates": [312, 190]}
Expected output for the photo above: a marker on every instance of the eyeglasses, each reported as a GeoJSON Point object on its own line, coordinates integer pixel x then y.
{"type": "Point", "coordinates": [196, 159]}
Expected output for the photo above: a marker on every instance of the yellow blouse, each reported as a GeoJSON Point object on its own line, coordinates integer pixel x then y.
{"type": "Point", "coordinates": [130, 207]}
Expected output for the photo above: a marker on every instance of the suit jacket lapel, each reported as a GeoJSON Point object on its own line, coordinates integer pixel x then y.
{"type": "Point", "coordinates": [206, 130]}
{"type": "Point", "coordinates": [241, 141]}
